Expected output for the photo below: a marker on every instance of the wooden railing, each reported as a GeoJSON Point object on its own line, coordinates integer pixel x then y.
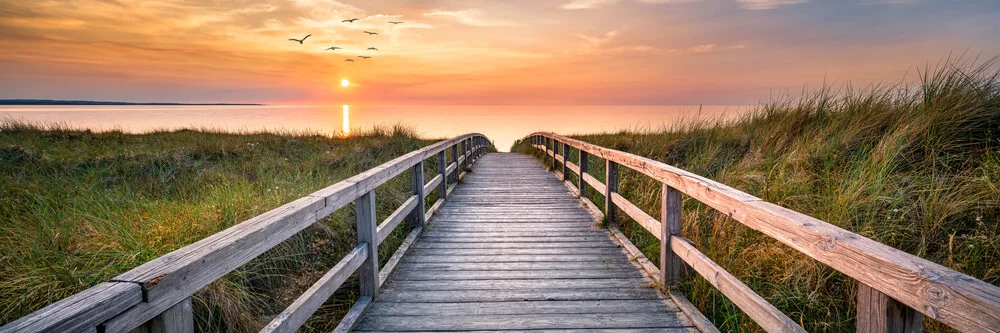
{"type": "Point", "coordinates": [156, 296]}
{"type": "Point", "coordinates": [895, 287]}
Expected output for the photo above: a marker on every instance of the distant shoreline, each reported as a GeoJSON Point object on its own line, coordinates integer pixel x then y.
{"type": "Point", "coordinates": [71, 102]}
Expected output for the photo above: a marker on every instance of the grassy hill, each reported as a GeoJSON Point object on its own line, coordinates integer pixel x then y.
{"type": "Point", "coordinates": [78, 208]}
{"type": "Point", "coordinates": [914, 166]}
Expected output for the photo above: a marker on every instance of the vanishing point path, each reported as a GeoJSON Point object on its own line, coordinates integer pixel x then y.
{"type": "Point", "coordinates": [513, 249]}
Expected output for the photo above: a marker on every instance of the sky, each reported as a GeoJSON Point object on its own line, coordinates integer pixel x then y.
{"type": "Point", "coordinates": [520, 52]}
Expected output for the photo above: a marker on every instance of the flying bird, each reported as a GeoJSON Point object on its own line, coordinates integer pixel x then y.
{"type": "Point", "coordinates": [351, 20]}
{"type": "Point", "coordinates": [395, 22]}
{"type": "Point", "coordinates": [350, 60]}
{"type": "Point", "coordinates": [300, 40]}
{"type": "Point", "coordinates": [372, 49]}
{"type": "Point", "coordinates": [364, 57]}
{"type": "Point", "coordinates": [334, 48]}
{"type": "Point", "coordinates": [371, 33]}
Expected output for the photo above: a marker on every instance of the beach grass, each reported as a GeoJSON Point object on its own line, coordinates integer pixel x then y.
{"type": "Point", "coordinates": [77, 208]}
{"type": "Point", "coordinates": [915, 166]}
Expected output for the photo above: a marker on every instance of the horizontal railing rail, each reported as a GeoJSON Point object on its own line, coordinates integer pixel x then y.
{"type": "Point", "coordinates": [156, 295]}
{"type": "Point", "coordinates": [895, 287]}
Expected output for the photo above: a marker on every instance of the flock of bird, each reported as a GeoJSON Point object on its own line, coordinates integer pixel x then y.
{"type": "Point", "coordinates": [335, 48]}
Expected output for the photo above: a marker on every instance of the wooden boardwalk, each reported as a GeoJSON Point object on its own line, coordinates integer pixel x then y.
{"type": "Point", "coordinates": [514, 249]}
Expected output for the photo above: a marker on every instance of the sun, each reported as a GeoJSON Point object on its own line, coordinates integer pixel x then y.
{"type": "Point", "coordinates": [345, 83]}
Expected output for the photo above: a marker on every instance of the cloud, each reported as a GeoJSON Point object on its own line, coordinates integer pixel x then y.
{"type": "Point", "coordinates": [585, 4]}
{"type": "Point", "coordinates": [704, 48]}
{"type": "Point", "coordinates": [767, 4]}
{"type": "Point", "coordinates": [473, 17]}
{"type": "Point", "coordinates": [889, 2]}
{"type": "Point", "coordinates": [599, 40]}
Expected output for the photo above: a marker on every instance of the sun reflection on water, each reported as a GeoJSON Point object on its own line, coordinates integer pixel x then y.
{"type": "Point", "coordinates": [347, 120]}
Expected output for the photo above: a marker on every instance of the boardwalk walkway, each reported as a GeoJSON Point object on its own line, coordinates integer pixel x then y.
{"type": "Point", "coordinates": [513, 249]}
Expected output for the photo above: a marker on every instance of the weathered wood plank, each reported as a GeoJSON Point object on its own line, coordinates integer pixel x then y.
{"type": "Point", "coordinates": [434, 208]}
{"type": "Point", "coordinates": [763, 313]}
{"type": "Point", "coordinates": [439, 275]}
{"type": "Point", "coordinates": [397, 216]}
{"type": "Point", "coordinates": [364, 213]}
{"type": "Point", "coordinates": [700, 321]}
{"type": "Point", "coordinates": [524, 322]}
{"type": "Point", "coordinates": [177, 319]}
{"type": "Point", "coordinates": [306, 304]}
{"type": "Point", "coordinates": [81, 312]}
{"type": "Point", "coordinates": [417, 215]}
{"type": "Point", "coordinates": [452, 296]}
{"type": "Point", "coordinates": [177, 275]}
{"type": "Point", "coordinates": [647, 222]}
{"type": "Point", "coordinates": [611, 175]}
{"type": "Point", "coordinates": [353, 316]}
{"type": "Point", "coordinates": [397, 257]}
{"type": "Point", "coordinates": [519, 307]}
{"type": "Point", "coordinates": [956, 299]}
{"type": "Point", "coordinates": [520, 284]}
{"type": "Point", "coordinates": [514, 266]}
{"type": "Point", "coordinates": [495, 259]}
{"type": "Point", "coordinates": [433, 184]}
{"type": "Point", "coordinates": [670, 215]}
{"type": "Point", "coordinates": [878, 313]}
{"type": "Point", "coordinates": [475, 254]}
{"type": "Point", "coordinates": [634, 254]}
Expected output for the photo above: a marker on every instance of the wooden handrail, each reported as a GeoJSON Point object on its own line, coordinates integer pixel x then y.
{"type": "Point", "coordinates": [940, 293]}
{"type": "Point", "coordinates": [145, 292]}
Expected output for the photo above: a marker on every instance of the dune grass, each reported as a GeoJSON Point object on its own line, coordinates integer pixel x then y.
{"type": "Point", "coordinates": [78, 208]}
{"type": "Point", "coordinates": [914, 166]}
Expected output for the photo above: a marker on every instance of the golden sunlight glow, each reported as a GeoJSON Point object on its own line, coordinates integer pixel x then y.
{"type": "Point", "coordinates": [344, 83]}
{"type": "Point", "coordinates": [347, 119]}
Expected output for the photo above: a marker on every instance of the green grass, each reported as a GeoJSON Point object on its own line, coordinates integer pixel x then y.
{"type": "Point", "coordinates": [78, 208]}
{"type": "Point", "coordinates": [914, 166]}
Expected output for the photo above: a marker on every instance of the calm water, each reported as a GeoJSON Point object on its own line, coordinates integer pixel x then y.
{"type": "Point", "coordinates": [503, 124]}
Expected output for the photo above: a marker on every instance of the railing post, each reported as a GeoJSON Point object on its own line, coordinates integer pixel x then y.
{"type": "Point", "coordinates": [443, 170]}
{"type": "Point", "coordinates": [547, 148]}
{"type": "Point", "coordinates": [364, 212]}
{"type": "Point", "coordinates": [582, 185]}
{"type": "Point", "coordinates": [454, 158]}
{"type": "Point", "coordinates": [565, 153]}
{"type": "Point", "coordinates": [179, 318]}
{"type": "Point", "coordinates": [879, 313]}
{"type": "Point", "coordinates": [670, 225]}
{"type": "Point", "coordinates": [417, 216]}
{"type": "Point", "coordinates": [611, 180]}
{"type": "Point", "coordinates": [465, 153]}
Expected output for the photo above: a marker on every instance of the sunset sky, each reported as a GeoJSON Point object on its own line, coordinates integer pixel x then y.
{"type": "Point", "coordinates": [585, 52]}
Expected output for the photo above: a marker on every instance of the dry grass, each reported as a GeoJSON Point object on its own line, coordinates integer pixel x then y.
{"type": "Point", "coordinates": [914, 166]}
{"type": "Point", "coordinates": [78, 208]}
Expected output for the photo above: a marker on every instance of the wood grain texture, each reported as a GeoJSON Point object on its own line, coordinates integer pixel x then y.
{"type": "Point", "coordinates": [700, 321]}
{"type": "Point", "coordinates": [81, 312]}
{"type": "Point", "coordinates": [878, 313]}
{"type": "Point", "coordinates": [177, 319]}
{"type": "Point", "coordinates": [416, 216]}
{"type": "Point", "coordinates": [353, 316]}
{"type": "Point", "coordinates": [583, 169]}
{"type": "Point", "coordinates": [956, 299]}
{"type": "Point", "coordinates": [177, 275]}
{"type": "Point", "coordinates": [647, 222]}
{"type": "Point", "coordinates": [397, 257]}
{"type": "Point", "coordinates": [763, 313]}
{"type": "Point", "coordinates": [392, 221]}
{"type": "Point", "coordinates": [513, 249]}
{"type": "Point", "coordinates": [670, 215]}
{"type": "Point", "coordinates": [364, 214]}
{"type": "Point", "coordinates": [306, 304]}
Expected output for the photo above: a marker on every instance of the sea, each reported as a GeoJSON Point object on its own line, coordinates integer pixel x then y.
{"type": "Point", "coordinates": [501, 123]}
